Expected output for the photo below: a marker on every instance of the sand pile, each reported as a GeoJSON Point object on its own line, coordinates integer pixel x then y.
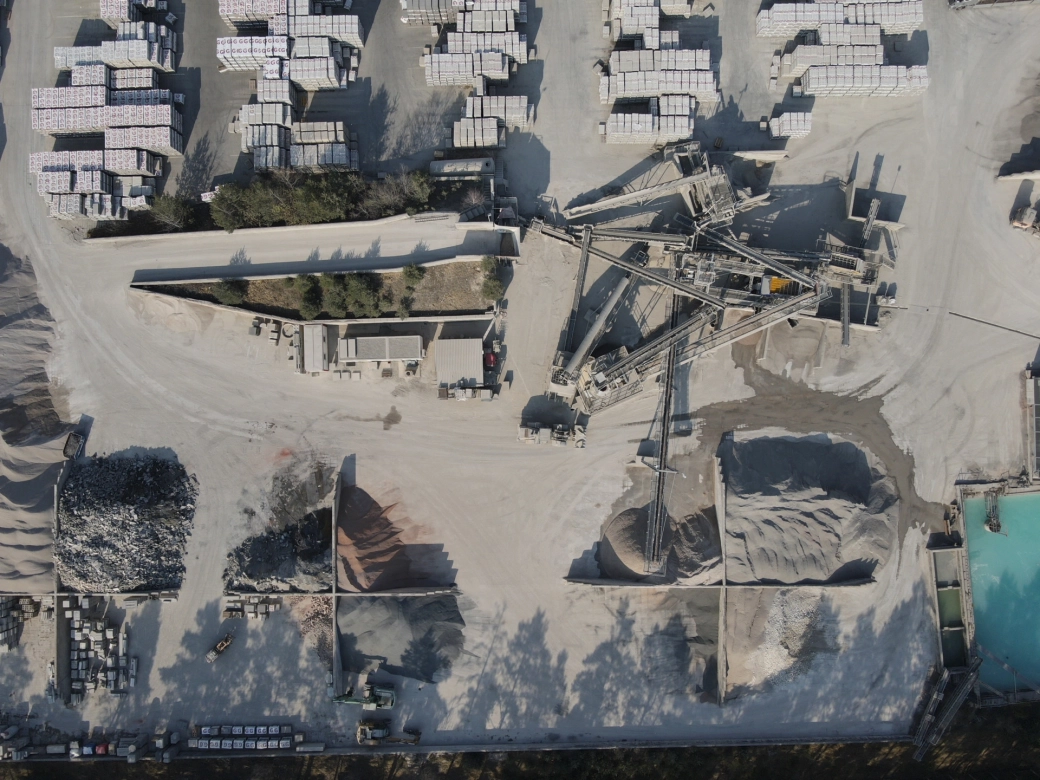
{"type": "Point", "coordinates": [622, 549]}
{"type": "Point", "coordinates": [419, 637]}
{"type": "Point", "coordinates": [31, 433]}
{"type": "Point", "coordinates": [123, 524]}
{"type": "Point", "coordinates": [805, 509]}
{"type": "Point", "coordinates": [293, 551]}
{"type": "Point", "coordinates": [694, 549]}
{"type": "Point", "coordinates": [378, 547]}
{"type": "Point", "coordinates": [298, 557]}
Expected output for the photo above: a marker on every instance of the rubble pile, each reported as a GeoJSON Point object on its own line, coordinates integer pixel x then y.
{"type": "Point", "coordinates": [123, 524]}
{"type": "Point", "coordinates": [294, 558]}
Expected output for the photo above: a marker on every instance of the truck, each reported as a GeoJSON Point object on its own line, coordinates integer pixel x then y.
{"type": "Point", "coordinates": [373, 697]}
{"type": "Point", "coordinates": [1026, 219]}
{"type": "Point", "coordinates": [371, 733]}
{"type": "Point", "coordinates": [556, 435]}
{"type": "Point", "coordinates": [219, 648]}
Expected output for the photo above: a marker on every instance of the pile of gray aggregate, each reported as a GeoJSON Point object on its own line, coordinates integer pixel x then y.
{"type": "Point", "coordinates": [123, 524]}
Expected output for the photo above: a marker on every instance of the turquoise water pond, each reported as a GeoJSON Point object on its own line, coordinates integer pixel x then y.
{"type": "Point", "coordinates": [1005, 578]}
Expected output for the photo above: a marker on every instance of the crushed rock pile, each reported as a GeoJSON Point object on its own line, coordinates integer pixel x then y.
{"type": "Point", "coordinates": [806, 509]}
{"type": "Point", "coordinates": [123, 524]}
{"type": "Point", "coordinates": [419, 637]}
{"type": "Point", "coordinates": [295, 558]}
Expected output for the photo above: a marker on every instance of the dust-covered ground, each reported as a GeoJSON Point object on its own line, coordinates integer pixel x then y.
{"type": "Point", "coordinates": [545, 660]}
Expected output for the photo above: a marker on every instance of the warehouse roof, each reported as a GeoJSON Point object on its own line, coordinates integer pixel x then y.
{"type": "Point", "coordinates": [459, 361]}
{"type": "Point", "coordinates": [381, 348]}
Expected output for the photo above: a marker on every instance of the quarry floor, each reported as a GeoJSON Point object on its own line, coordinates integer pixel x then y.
{"type": "Point", "coordinates": [546, 661]}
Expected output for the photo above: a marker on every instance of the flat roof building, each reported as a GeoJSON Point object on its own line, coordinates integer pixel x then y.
{"type": "Point", "coordinates": [459, 362]}
{"type": "Point", "coordinates": [315, 343]}
{"type": "Point", "coordinates": [379, 348]}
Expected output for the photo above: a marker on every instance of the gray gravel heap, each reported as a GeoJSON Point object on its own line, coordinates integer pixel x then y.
{"type": "Point", "coordinates": [123, 524]}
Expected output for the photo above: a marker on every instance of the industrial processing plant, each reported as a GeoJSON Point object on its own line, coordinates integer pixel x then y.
{"type": "Point", "coordinates": [435, 384]}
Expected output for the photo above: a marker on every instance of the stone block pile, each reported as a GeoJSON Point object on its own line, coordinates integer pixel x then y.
{"type": "Point", "coordinates": [295, 47]}
{"type": "Point", "coordinates": [655, 72]}
{"type": "Point", "coordinates": [793, 124]}
{"type": "Point", "coordinates": [114, 93]}
{"type": "Point", "coordinates": [99, 648]}
{"type": "Point", "coordinates": [843, 54]}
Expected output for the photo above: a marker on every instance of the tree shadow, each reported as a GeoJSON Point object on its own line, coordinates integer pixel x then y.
{"type": "Point", "coordinates": [196, 172]}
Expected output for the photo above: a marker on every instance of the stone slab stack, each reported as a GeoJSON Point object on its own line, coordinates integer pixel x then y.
{"type": "Point", "coordinates": [792, 124]}
{"type": "Point", "coordinates": [511, 110]}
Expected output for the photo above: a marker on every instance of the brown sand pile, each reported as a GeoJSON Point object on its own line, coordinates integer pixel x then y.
{"type": "Point", "coordinates": [378, 547]}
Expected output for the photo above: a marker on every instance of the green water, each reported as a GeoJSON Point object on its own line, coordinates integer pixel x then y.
{"type": "Point", "coordinates": [1005, 577]}
{"type": "Point", "coordinates": [950, 608]}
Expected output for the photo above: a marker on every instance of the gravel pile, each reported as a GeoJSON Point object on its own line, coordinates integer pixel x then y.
{"type": "Point", "coordinates": [296, 558]}
{"type": "Point", "coordinates": [123, 524]}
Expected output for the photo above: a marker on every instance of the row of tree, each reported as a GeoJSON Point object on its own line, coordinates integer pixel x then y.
{"type": "Point", "coordinates": [292, 197]}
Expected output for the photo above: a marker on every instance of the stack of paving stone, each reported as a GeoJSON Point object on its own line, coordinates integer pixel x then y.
{"type": "Point", "coordinates": [321, 51]}
{"type": "Point", "coordinates": [114, 92]}
{"type": "Point", "coordinates": [792, 124]}
{"type": "Point", "coordinates": [843, 55]}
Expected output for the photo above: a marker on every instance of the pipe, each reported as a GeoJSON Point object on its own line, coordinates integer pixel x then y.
{"type": "Point", "coordinates": [589, 342]}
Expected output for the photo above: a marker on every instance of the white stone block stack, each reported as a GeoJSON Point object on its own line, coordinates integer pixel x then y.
{"type": "Point", "coordinates": [844, 55]}
{"type": "Point", "coordinates": [859, 81]}
{"type": "Point", "coordinates": [240, 14]}
{"type": "Point", "coordinates": [793, 124]}
{"type": "Point", "coordinates": [159, 140]}
{"type": "Point", "coordinates": [322, 146]}
{"type": "Point", "coordinates": [465, 69]}
{"type": "Point", "coordinates": [431, 12]}
{"type": "Point", "coordinates": [69, 97]}
{"type": "Point", "coordinates": [251, 52]}
{"type": "Point", "coordinates": [134, 78]}
{"type": "Point", "coordinates": [113, 12]}
{"type": "Point", "coordinates": [802, 58]}
{"type": "Point", "coordinates": [512, 44]}
{"type": "Point", "coordinates": [77, 184]}
{"type": "Point", "coordinates": [849, 34]}
{"type": "Point", "coordinates": [473, 132]}
{"type": "Point", "coordinates": [636, 19]}
{"type": "Point", "coordinates": [786, 20]}
{"type": "Point", "coordinates": [276, 91]}
{"type": "Point", "coordinates": [511, 110]}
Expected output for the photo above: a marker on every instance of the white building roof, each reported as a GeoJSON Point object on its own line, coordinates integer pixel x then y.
{"type": "Point", "coordinates": [459, 361]}
{"type": "Point", "coordinates": [315, 348]}
{"type": "Point", "coordinates": [381, 348]}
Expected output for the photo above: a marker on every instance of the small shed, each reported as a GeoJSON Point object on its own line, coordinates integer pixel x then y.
{"type": "Point", "coordinates": [459, 362]}
{"type": "Point", "coordinates": [315, 342]}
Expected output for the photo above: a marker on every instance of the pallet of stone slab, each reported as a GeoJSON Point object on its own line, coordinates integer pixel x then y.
{"type": "Point", "coordinates": [239, 14]}
{"type": "Point", "coordinates": [160, 140]}
{"type": "Point", "coordinates": [265, 135]}
{"type": "Point", "coordinates": [70, 121]}
{"type": "Point", "coordinates": [69, 97]}
{"type": "Point", "coordinates": [276, 91]}
{"type": "Point", "coordinates": [512, 110]}
{"type": "Point", "coordinates": [113, 12]}
{"type": "Point", "coordinates": [865, 81]}
{"type": "Point", "coordinates": [132, 162]}
{"type": "Point", "coordinates": [314, 74]}
{"type": "Point", "coordinates": [471, 132]}
{"type": "Point", "coordinates": [512, 44]}
{"type": "Point", "coordinates": [792, 124]}
{"type": "Point", "coordinates": [319, 132]}
{"type": "Point", "coordinates": [795, 63]}
{"type": "Point", "coordinates": [345, 28]}
{"type": "Point", "coordinates": [849, 34]}
{"type": "Point", "coordinates": [265, 114]}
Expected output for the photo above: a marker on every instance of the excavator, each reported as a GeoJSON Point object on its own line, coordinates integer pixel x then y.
{"type": "Point", "coordinates": [373, 697]}
{"type": "Point", "coordinates": [371, 733]}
